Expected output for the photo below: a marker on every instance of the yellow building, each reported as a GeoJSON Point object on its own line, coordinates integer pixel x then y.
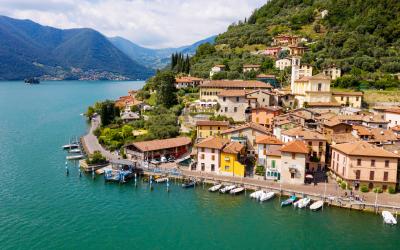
{"type": "Point", "coordinates": [230, 164]}
{"type": "Point", "coordinates": [210, 128]}
{"type": "Point", "coordinates": [350, 99]}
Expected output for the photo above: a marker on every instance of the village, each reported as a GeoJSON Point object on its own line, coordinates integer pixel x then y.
{"type": "Point", "coordinates": [303, 136]}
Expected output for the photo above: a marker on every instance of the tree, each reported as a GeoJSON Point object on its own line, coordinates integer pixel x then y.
{"type": "Point", "coordinates": [108, 112]}
{"type": "Point", "coordinates": [166, 91]}
{"type": "Point", "coordinates": [162, 126]}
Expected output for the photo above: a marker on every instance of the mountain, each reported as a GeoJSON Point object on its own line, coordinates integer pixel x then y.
{"type": "Point", "coordinates": [361, 37]}
{"type": "Point", "coordinates": [154, 58]}
{"type": "Point", "coordinates": [28, 49]}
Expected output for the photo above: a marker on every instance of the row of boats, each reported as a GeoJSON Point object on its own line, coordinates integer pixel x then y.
{"type": "Point", "coordinates": [74, 150]}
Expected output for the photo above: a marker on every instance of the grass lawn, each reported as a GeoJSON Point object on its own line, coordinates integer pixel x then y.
{"type": "Point", "coordinates": [152, 100]}
{"type": "Point", "coordinates": [373, 96]}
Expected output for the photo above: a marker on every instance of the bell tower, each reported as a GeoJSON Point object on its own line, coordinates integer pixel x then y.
{"type": "Point", "coordinates": [295, 71]}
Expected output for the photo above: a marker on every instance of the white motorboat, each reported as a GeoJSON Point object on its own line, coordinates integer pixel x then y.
{"type": "Point", "coordinates": [76, 150]}
{"type": "Point", "coordinates": [215, 188]}
{"type": "Point", "coordinates": [388, 218]}
{"type": "Point", "coordinates": [316, 205]}
{"type": "Point", "coordinates": [227, 189]}
{"type": "Point", "coordinates": [256, 195]}
{"type": "Point", "coordinates": [266, 196]}
{"type": "Point", "coordinates": [161, 180]}
{"type": "Point", "coordinates": [237, 190]}
{"type": "Point", "coordinates": [70, 146]}
{"type": "Point", "coordinates": [75, 157]}
{"type": "Point", "coordinates": [302, 203]}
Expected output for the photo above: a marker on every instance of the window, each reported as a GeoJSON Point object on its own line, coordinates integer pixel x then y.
{"type": "Point", "coordinates": [226, 168]}
{"type": "Point", "coordinates": [212, 167]}
{"type": "Point", "coordinates": [293, 156]}
{"type": "Point", "coordinates": [292, 175]}
{"type": "Point", "coordinates": [385, 176]}
{"type": "Point", "coordinates": [257, 120]}
{"type": "Point", "coordinates": [203, 167]}
{"type": "Point", "coordinates": [273, 163]}
{"type": "Point", "coordinates": [309, 143]}
{"type": "Point", "coordinates": [321, 144]}
{"type": "Point", "coordinates": [358, 162]}
{"type": "Point", "coordinates": [264, 152]}
{"type": "Point", "coordinates": [235, 109]}
{"type": "Point", "coordinates": [337, 158]}
{"type": "Point", "coordinates": [237, 99]}
{"type": "Point", "coordinates": [319, 86]}
{"type": "Point", "coordinates": [219, 128]}
{"type": "Point", "coordinates": [371, 175]}
{"type": "Point", "coordinates": [358, 173]}
{"type": "Point", "coordinates": [210, 132]}
{"type": "Point", "coordinates": [341, 98]}
{"type": "Point", "coordinates": [213, 157]}
{"type": "Point", "coordinates": [357, 99]}
{"type": "Point", "coordinates": [372, 163]}
{"type": "Point", "coordinates": [202, 156]}
{"type": "Point", "coordinates": [387, 163]}
{"type": "Point", "coordinates": [213, 151]}
{"type": "Point", "coordinates": [202, 149]}
{"type": "Point", "coordinates": [224, 99]}
{"type": "Point", "coordinates": [226, 109]}
{"type": "Point", "coordinates": [227, 159]}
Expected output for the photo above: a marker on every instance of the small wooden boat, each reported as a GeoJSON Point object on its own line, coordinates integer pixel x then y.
{"type": "Point", "coordinates": [75, 157]}
{"type": "Point", "coordinates": [266, 196]}
{"type": "Point", "coordinates": [70, 146]}
{"type": "Point", "coordinates": [256, 195]}
{"type": "Point", "coordinates": [161, 180]}
{"type": "Point", "coordinates": [302, 203]}
{"type": "Point", "coordinates": [227, 189]}
{"type": "Point", "coordinates": [388, 218]}
{"type": "Point", "coordinates": [288, 201]}
{"type": "Point", "coordinates": [189, 184]}
{"type": "Point", "coordinates": [316, 205]}
{"type": "Point", "coordinates": [237, 190]}
{"type": "Point", "coordinates": [215, 188]}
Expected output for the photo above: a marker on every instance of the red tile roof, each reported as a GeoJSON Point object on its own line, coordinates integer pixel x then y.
{"type": "Point", "coordinates": [251, 84]}
{"type": "Point", "coordinates": [146, 146]}
{"type": "Point", "coordinates": [212, 123]}
{"type": "Point", "coordinates": [213, 142]}
{"type": "Point", "coordinates": [295, 147]}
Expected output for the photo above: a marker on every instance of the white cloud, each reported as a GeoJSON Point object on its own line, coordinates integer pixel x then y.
{"type": "Point", "coordinates": [152, 23]}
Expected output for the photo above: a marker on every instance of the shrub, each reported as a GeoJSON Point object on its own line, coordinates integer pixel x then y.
{"type": "Point", "coordinates": [391, 190]}
{"type": "Point", "coordinates": [260, 170]}
{"type": "Point", "coordinates": [343, 185]}
{"type": "Point", "coordinates": [378, 190]}
{"type": "Point", "coordinates": [96, 158]}
{"type": "Point", "coordinates": [364, 189]}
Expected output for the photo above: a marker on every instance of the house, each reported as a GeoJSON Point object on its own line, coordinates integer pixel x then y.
{"type": "Point", "coordinates": [271, 51]}
{"type": "Point", "coordinates": [361, 163]}
{"type": "Point", "coordinates": [321, 107]}
{"type": "Point", "coordinates": [293, 162]}
{"type": "Point", "coordinates": [187, 81]}
{"type": "Point", "coordinates": [265, 115]}
{"type": "Point", "coordinates": [127, 115]}
{"type": "Point", "coordinates": [246, 134]}
{"type": "Point", "coordinates": [251, 67]}
{"type": "Point", "coordinates": [295, 50]}
{"type": "Point", "coordinates": [208, 128]}
{"type": "Point", "coordinates": [209, 90]}
{"type": "Point", "coordinates": [231, 161]}
{"type": "Point", "coordinates": [334, 126]}
{"type": "Point", "coordinates": [392, 115]}
{"type": "Point", "coordinates": [269, 155]}
{"type": "Point", "coordinates": [332, 71]}
{"type": "Point", "coordinates": [216, 69]}
{"type": "Point", "coordinates": [286, 40]}
{"type": "Point", "coordinates": [348, 99]}
{"type": "Point", "coordinates": [283, 98]}
{"type": "Point", "coordinates": [235, 104]}
{"type": "Point", "coordinates": [281, 64]}
{"type": "Point", "coordinates": [126, 102]}
{"type": "Point", "coordinates": [148, 150]}
{"type": "Point", "coordinates": [376, 136]}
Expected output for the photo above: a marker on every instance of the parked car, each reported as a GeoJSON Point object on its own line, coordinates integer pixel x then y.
{"type": "Point", "coordinates": [164, 159]}
{"type": "Point", "coordinates": [155, 161]}
{"type": "Point", "coordinates": [171, 159]}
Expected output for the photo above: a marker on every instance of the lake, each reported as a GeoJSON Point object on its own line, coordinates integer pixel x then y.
{"type": "Point", "coordinates": [42, 208]}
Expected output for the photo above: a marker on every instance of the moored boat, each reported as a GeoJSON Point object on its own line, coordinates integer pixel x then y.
{"type": "Point", "coordinates": [189, 184]}
{"type": "Point", "coordinates": [215, 188]}
{"type": "Point", "coordinates": [161, 180]}
{"type": "Point", "coordinates": [266, 196]}
{"type": "Point", "coordinates": [388, 218]}
{"type": "Point", "coordinates": [316, 205]}
{"type": "Point", "coordinates": [302, 202]}
{"type": "Point", "coordinates": [288, 201]}
{"type": "Point", "coordinates": [76, 150]}
{"type": "Point", "coordinates": [256, 195]}
{"type": "Point", "coordinates": [227, 189]}
{"type": "Point", "coordinates": [75, 157]}
{"type": "Point", "coordinates": [237, 190]}
{"type": "Point", "coordinates": [70, 146]}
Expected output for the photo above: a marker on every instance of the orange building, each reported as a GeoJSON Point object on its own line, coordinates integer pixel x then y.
{"type": "Point", "coordinates": [265, 115]}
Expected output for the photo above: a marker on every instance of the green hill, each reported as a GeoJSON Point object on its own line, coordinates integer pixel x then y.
{"type": "Point", "coordinates": [360, 36]}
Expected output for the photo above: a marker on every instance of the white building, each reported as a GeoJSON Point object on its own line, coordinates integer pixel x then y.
{"type": "Point", "coordinates": [333, 72]}
{"type": "Point", "coordinates": [392, 115]}
{"type": "Point", "coordinates": [216, 69]}
{"type": "Point", "coordinates": [299, 71]}
{"type": "Point", "coordinates": [281, 64]}
{"type": "Point", "coordinates": [293, 162]}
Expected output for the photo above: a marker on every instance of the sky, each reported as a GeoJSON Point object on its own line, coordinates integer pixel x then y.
{"type": "Point", "coordinates": [150, 23]}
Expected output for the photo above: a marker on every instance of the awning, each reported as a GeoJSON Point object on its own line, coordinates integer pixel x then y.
{"type": "Point", "coordinates": [309, 176]}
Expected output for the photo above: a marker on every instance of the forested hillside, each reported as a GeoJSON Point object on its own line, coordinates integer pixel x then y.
{"type": "Point", "coordinates": [360, 36]}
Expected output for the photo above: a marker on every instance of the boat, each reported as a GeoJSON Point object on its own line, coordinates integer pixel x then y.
{"type": "Point", "coordinates": [215, 188]}
{"type": "Point", "coordinates": [227, 189]}
{"type": "Point", "coordinates": [161, 180]}
{"type": "Point", "coordinates": [266, 196]}
{"type": "Point", "coordinates": [256, 195]}
{"type": "Point", "coordinates": [76, 150]}
{"type": "Point", "coordinates": [32, 80]}
{"type": "Point", "coordinates": [288, 201]}
{"type": "Point", "coordinates": [70, 146]}
{"type": "Point", "coordinates": [302, 203]}
{"type": "Point", "coordinates": [237, 190]}
{"type": "Point", "coordinates": [316, 205]}
{"type": "Point", "coordinates": [388, 218]}
{"type": "Point", "coordinates": [189, 184]}
{"type": "Point", "coordinates": [75, 157]}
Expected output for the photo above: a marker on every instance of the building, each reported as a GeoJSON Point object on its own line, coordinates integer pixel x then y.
{"type": "Point", "coordinates": [361, 163]}
{"type": "Point", "coordinates": [297, 50]}
{"type": "Point", "coordinates": [149, 150]}
{"type": "Point", "coordinates": [207, 128]}
{"type": "Point", "coordinates": [299, 71]}
{"type": "Point", "coordinates": [216, 69]}
{"type": "Point", "coordinates": [209, 90]}
{"type": "Point", "coordinates": [329, 128]}
{"type": "Point", "coordinates": [286, 40]}
{"type": "Point", "coordinates": [293, 162]}
{"type": "Point", "coordinates": [269, 155]}
{"type": "Point", "coordinates": [375, 136]}
{"type": "Point", "coordinates": [231, 164]}
{"type": "Point", "coordinates": [187, 82]}
{"type": "Point", "coordinates": [235, 104]}
{"type": "Point", "coordinates": [251, 67]}
{"type": "Point", "coordinates": [281, 64]}
{"type": "Point", "coordinates": [348, 99]}
{"type": "Point", "coordinates": [265, 115]}
{"type": "Point", "coordinates": [333, 72]}
{"type": "Point", "coordinates": [283, 98]}
{"type": "Point", "coordinates": [392, 115]}
{"type": "Point", "coordinates": [271, 51]}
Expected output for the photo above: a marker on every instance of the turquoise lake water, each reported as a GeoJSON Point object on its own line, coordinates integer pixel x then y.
{"type": "Point", "coordinates": [42, 208]}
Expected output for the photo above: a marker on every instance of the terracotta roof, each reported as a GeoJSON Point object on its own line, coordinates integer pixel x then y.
{"type": "Point", "coordinates": [265, 76]}
{"type": "Point", "coordinates": [188, 79]}
{"type": "Point", "coordinates": [363, 149]}
{"type": "Point", "coordinates": [213, 142]}
{"type": "Point", "coordinates": [220, 66]}
{"type": "Point", "coordinates": [306, 134]}
{"type": "Point", "coordinates": [361, 130]}
{"type": "Point", "coordinates": [233, 148]}
{"type": "Point", "coordinates": [333, 122]}
{"type": "Point", "coordinates": [268, 109]}
{"type": "Point", "coordinates": [382, 135]}
{"type": "Point", "coordinates": [154, 145]}
{"type": "Point", "coordinates": [393, 111]}
{"type": "Point", "coordinates": [295, 147]}
{"type": "Point", "coordinates": [251, 65]}
{"type": "Point", "coordinates": [319, 76]}
{"type": "Point", "coordinates": [251, 84]}
{"type": "Point", "coordinates": [274, 150]}
{"type": "Point", "coordinates": [268, 139]}
{"type": "Point", "coordinates": [250, 125]}
{"type": "Point", "coordinates": [232, 93]}
{"type": "Point", "coordinates": [324, 104]}
{"type": "Point", "coordinates": [343, 138]}
{"type": "Point", "coordinates": [212, 123]}
{"type": "Point", "coordinates": [396, 128]}
{"type": "Point", "coordinates": [348, 93]}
